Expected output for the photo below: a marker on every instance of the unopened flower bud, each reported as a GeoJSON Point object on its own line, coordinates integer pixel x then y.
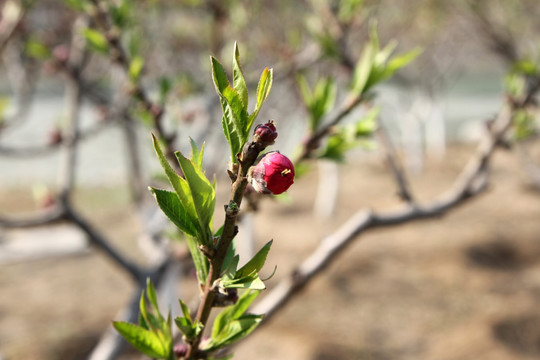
{"type": "Point", "coordinates": [180, 350]}
{"type": "Point", "coordinates": [61, 53]}
{"type": "Point", "coordinates": [265, 133]}
{"type": "Point", "coordinates": [274, 173]}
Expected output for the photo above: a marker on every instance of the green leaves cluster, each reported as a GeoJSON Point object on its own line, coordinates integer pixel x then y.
{"type": "Point", "coordinates": [233, 323]}
{"type": "Point", "coordinates": [247, 277]}
{"type": "Point", "coordinates": [349, 136]}
{"type": "Point", "coordinates": [376, 65]}
{"type": "Point", "coordinates": [191, 205]}
{"type": "Point", "coordinates": [153, 335]}
{"type": "Point", "coordinates": [318, 101]}
{"type": "Point", "coordinates": [237, 121]}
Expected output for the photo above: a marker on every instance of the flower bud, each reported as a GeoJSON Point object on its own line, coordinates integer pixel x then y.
{"type": "Point", "coordinates": [180, 350]}
{"type": "Point", "coordinates": [265, 133]}
{"type": "Point", "coordinates": [274, 173]}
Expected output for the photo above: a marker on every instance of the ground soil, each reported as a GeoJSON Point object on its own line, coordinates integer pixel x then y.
{"type": "Point", "coordinates": [465, 285]}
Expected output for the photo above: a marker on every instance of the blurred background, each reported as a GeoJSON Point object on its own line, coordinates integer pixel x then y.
{"type": "Point", "coordinates": [84, 83]}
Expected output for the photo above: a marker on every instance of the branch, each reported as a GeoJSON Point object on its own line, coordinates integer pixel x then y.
{"type": "Point", "coordinates": [471, 182]}
{"type": "Point", "coordinates": [11, 15]}
{"type": "Point", "coordinates": [245, 160]}
{"type": "Point", "coordinates": [97, 239]}
{"type": "Point", "coordinates": [45, 217]}
{"type": "Point", "coordinates": [396, 168]}
{"type": "Point", "coordinates": [313, 142]}
{"type": "Point", "coordinates": [118, 54]}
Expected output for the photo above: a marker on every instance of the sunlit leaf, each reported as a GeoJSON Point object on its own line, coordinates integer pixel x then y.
{"type": "Point", "coordinates": [142, 339]}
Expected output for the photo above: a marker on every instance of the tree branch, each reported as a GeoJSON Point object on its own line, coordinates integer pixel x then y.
{"type": "Point", "coordinates": [471, 182]}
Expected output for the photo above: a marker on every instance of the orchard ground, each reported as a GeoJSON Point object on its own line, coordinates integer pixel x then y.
{"type": "Point", "coordinates": [462, 286]}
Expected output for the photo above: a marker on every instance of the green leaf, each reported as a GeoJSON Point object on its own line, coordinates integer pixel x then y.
{"type": "Point", "coordinates": [200, 261]}
{"type": "Point", "coordinates": [179, 185]}
{"type": "Point", "coordinates": [234, 114]}
{"type": "Point", "coordinates": [202, 195]}
{"type": "Point", "coordinates": [324, 97]}
{"type": "Point", "coordinates": [233, 312]}
{"type": "Point", "coordinates": [135, 68]}
{"type": "Point", "coordinates": [400, 61]}
{"type": "Point", "coordinates": [97, 40]}
{"type": "Point", "coordinates": [229, 257]}
{"type": "Point", "coordinates": [36, 49]}
{"type": "Point", "coordinates": [234, 331]}
{"type": "Point", "coordinates": [185, 324]}
{"type": "Point", "coordinates": [363, 70]}
{"type": "Point", "coordinates": [143, 340]}
{"type": "Point", "coordinates": [152, 296]}
{"type": "Point", "coordinates": [196, 154]}
{"type": "Point", "coordinates": [263, 89]}
{"type": "Point", "coordinates": [256, 263]}
{"type": "Point", "coordinates": [252, 282]}
{"type": "Point", "coordinates": [171, 206]}
{"type": "Point", "coordinates": [165, 87]}
{"type": "Point", "coordinates": [239, 82]}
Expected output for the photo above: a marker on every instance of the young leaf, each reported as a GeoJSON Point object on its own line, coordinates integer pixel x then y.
{"type": "Point", "coordinates": [239, 82]}
{"type": "Point", "coordinates": [263, 89]}
{"type": "Point", "coordinates": [171, 206]}
{"type": "Point", "coordinates": [202, 193]}
{"type": "Point", "coordinates": [256, 263]}
{"type": "Point", "coordinates": [402, 60]}
{"type": "Point", "coordinates": [199, 260]}
{"type": "Point", "coordinates": [251, 281]}
{"type": "Point", "coordinates": [143, 340]}
{"type": "Point", "coordinates": [234, 331]}
{"type": "Point", "coordinates": [196, 154]}
{"type": "Point", "coordinates": [97, 40]}
{"type": "Point", "coordinates": [363, 70]}
{"type": "Point", "coordinates": [234, 114]}
{"type": "Point", "coordinates": [152, 296]}
{"type": "Point", "coordinates": [180, 186]}
{"type": "Point", "coordinates": [233, 312]}
{"type": "Point", "coordinates": [135, 68]}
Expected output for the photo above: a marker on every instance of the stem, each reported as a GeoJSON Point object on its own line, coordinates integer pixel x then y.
{"type": "Point", "coordinates": [245, 161]}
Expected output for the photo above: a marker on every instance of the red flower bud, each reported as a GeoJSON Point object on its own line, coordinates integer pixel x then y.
{"type": "Point", "coordinates": [274, 173]}
{"type": "Point", "coordinates": [180, 350]}
{"type": "Point", "coordinates": [265, 133]}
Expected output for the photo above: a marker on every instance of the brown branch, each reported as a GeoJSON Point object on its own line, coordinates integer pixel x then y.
{"type": "Point", "coordinates": [119, 56]}
{"type": "Point", "coordinates": [47, 216]}
{"type": "Point", "coordinates": [245, 160]}
{"type": "Point", "coordinates": [9, 25]}
{"type": "Point", "coordinates": [48, 149]}
{"type": "Point", "coordinates": [97, 239]}
{"type": "Point", "coordinates": [313, 141]}
{"type": "Point", "coordinates": [397, 170]}
{"type": "Point", "coordinates": [471, 182]}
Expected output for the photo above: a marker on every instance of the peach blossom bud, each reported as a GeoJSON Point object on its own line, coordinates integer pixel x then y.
{"type": "Point", "coordinates": [274, 173]}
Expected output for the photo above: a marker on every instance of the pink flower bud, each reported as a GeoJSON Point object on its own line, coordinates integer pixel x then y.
{"type": "Point", "coordinates": [265, 133]}
{"type": "Point", "coordinates": [180, 350]}
{"type": "Point", "coordinates": [273, 174]}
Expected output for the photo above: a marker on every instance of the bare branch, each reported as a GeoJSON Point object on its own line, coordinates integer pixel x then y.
{"type": "Point", "coordinates": [11, 16]}
{"type": "Point", "coordinates": [395, 166]}
{"type": "Point", "coordinates": [97, 239]}
{"type": "Point", "coordinates": [471, 182]}
{"type": "Point", "coordinates": [47, 216]}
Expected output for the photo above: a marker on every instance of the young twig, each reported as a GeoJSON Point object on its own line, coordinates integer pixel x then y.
{"type": "Point", "coordinates": [470, 183]}
{"type": "Point", "coordinates": [395, 166]}
{"type": "Point", "coordinates": [245, 160]}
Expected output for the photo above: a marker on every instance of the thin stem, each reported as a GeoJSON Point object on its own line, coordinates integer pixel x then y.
{"type": "Point", "coordinates": [313, 142]}
{"type": "Point", "coordinates": [245, 161]}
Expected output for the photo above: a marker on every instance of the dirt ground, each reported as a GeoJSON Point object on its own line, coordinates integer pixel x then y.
{"type": "Point", "coordinates": [463, 286]}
